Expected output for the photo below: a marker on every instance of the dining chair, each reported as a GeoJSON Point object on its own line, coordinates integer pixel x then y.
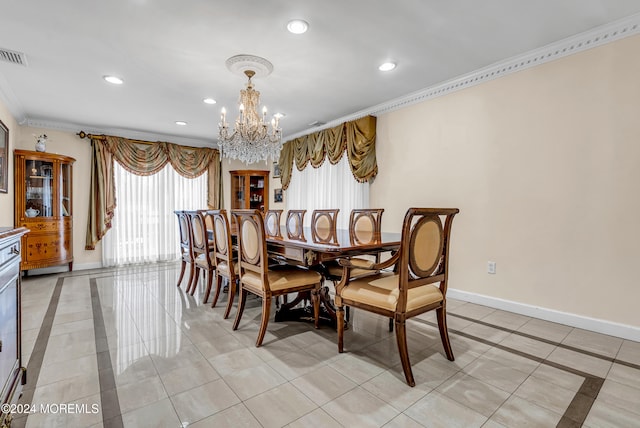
{"type": "Point", "coordinates": [258, 279]}
{"type": "Point", "coordinates": [295, 224]}
{"type": "Point", "coordinates": [272, 223]}
{"type": "Point", "coordinates": [365, 226]}
{"type": "Point", "coordinates": [223, 256]}
{"type": "Point", "coordinates": [421, 262]}
{"type": "Point", "coordinates": [323, 226]}
{"type": "Point", "coordinates": [202, 251]}
{"type": "Point", "coordinates": [186, 252]}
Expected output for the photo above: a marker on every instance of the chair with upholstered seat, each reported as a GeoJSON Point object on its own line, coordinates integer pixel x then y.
{"type": "Point", "coordinates": [202, 251]}
{"type": "Point", "coordinates": [323, 226]}
{"type": "Point", "coordinates": [223, 256]}
{"type": "Point", "coordinates": [258, 279]}
{"type": "Point", "coordinates": [365, 226]}
{"type": "Point", "coordinates": [186, 253]}
{"type": "Point", "coordinates": [421, 262]}
{"type": "Point", "coordinates": [295, 224]}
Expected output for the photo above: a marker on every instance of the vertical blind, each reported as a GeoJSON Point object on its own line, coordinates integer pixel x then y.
{"type": "Point", "coordinates": [144, 227]}
{"type": "Point", "coordinates": [326, 187]}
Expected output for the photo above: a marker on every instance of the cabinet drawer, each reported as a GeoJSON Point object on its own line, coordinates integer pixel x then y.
{"type": "Point", "coordinates": [8, 253]}
{"type": "Point", "coordinates": [45, 247]}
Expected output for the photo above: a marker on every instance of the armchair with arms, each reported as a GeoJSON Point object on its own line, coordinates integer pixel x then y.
{"type": "Point", "coordinates": [417, 284]}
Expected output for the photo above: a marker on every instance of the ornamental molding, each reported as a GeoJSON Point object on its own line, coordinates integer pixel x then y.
{"type": "Point", "coordinates": [595, 37]}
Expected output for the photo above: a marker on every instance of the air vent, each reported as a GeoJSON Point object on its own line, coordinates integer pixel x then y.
{"type": "Point", "coordinates": [13, 57]}
{"type": "Point", "coordinates": [317, 123]}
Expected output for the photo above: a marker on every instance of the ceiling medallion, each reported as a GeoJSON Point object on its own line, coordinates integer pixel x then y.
{"type": "Point", "coordinates": [252, 139]}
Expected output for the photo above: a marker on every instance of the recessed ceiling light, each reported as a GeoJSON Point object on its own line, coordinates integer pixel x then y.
{"type": "Point", "coordinates": [209, 101]}
{"type": "Point", "coordinates": [113, 79]}
{"type": "Point", "coordinates": [181, 122]}
{"type": "Point", "coordinates": [297, 26]}
{"type": "Point", "coordinates": [387, 66]}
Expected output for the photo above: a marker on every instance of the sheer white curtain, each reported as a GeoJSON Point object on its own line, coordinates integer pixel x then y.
{"type": "Point", "coordinates": [330, 186]}
{"type": "Point", "coordinates": [145, 229]}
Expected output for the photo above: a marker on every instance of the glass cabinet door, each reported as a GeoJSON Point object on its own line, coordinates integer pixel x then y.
{"type": "Point", "coordinates": [238, 195]}
{"type": "Point", "coordinates": [65, 190]}
{"type": "Point", "coordinates": [39, 188]}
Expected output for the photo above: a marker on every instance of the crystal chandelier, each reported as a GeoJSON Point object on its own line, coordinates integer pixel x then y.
{"type": "Point", "coordinates": [252, 139]}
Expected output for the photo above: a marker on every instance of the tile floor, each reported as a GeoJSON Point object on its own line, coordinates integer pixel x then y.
{"type": "Point", "coordinates": [126, 347]}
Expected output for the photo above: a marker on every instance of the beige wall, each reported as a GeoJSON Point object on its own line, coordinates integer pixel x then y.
{"type": "Point", "coordinates": [6, 199]}
{"type": "Point", "coordinates": [544, 165]}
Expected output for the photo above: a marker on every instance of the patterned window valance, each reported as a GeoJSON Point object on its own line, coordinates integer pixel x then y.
{"type": "Point", "coordinates": [141, 158]}
{"type": "Point", "coordinates": [357, 138]}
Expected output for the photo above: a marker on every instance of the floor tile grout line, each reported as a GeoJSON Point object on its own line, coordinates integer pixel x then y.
{"type": "Point", "coordinates": [549, 342]}
{"type": "Point", "coordinates": [103, 356]}
{"type": "Point", "coordinates": [37, 354]}
{"type": "Point", "coordinates": [590, 386]}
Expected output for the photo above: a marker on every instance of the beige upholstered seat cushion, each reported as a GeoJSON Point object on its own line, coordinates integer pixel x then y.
{"type": "Point", "coordinates": [201, 260]}
{"type": "Point", "coordinates": [223, 268]}
{"type": "Point", "coordinates": [382, 291]}
{"type": "Point", "coordinates": [283, 278]}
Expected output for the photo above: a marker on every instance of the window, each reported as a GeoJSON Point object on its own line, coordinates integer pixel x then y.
{"type": "Point", "coordinates": [145, 228]}
{"type": "Point", "coordinates": [329, 186]}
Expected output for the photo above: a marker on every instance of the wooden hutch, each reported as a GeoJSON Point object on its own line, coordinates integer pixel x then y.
{"type": "Point", "coordinates": [43, 204]}
{"type": "Point", "coordinates": [249, 190]}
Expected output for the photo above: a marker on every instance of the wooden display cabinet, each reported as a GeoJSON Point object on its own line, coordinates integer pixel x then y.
{"type": "Point", "coordinates": [43, 204]}
{"type": "Point", "coordinates": [249, 189]}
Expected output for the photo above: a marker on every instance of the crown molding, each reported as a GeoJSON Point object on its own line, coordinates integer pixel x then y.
{"type": "Point", "coordinates": [595, 37]}
{"type": "Point", "coordinates": [121, 132]}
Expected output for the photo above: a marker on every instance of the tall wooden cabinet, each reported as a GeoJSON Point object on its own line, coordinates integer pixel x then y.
{"type": "Point", "coordinates": [43, 204]}
{"type": "Point", "coordinates": [12, 372]}
{"type": "Point", "coordinates": [249, 189]}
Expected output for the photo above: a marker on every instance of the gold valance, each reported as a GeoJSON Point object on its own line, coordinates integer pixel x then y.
{"type": "Point", "coordinates": [357, 138]}
{"type": "Point", "coordinates": [141, 158]}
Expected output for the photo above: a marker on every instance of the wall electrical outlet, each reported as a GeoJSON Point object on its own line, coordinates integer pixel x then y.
{"type": "Point", "coordinates": [491, 267]}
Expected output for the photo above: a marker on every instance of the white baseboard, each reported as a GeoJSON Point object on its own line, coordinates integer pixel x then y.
{"type": "Point", "coordinates": [592, 324]}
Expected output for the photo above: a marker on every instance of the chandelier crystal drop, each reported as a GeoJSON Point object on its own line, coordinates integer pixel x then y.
{"type": "Point", "coordinates": [252, 139]}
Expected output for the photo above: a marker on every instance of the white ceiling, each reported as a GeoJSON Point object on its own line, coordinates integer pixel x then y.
{"type": "Point", "coordinates": [171, 54]}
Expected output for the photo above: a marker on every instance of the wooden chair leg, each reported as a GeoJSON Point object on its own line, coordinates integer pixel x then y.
{"type": "Point", "coordinates": [401, 336]}
{"type": "Point", "coordinates": [194, 285]}
{"type": "Point", "coordinates": [209, 284]}
{"type": "Point", "coordinates": [183, 267]}
{"type": "Point", "coordinates": [340, 314]}
{"type": "Point", "coordinates": [218, 285]}
{"type": "Point", "coordinates": [390, 325]}
{"type": "Point", "coordinates": [192, 272]}
{"type": "Point", "coordinates": [231, 295]}
{"type": "Point", "coordinates": [315, 298]}
{"type": "Point", "coordinates": [347, 313]}
{"type": "Point", "coordinates": [241, 302]}
{"type": "Point", "coordinates": [266, 311]}
{"type": "Point", "coordinates": [218, 288]}
{"type": "Point", "coordinates": [441, 315]}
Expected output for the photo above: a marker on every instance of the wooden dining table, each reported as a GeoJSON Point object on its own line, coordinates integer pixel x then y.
{"type": "Point", "coordinates": [310, 253]}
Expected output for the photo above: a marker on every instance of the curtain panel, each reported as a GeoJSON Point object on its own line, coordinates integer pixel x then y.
{"type": "Point", "coordinates": [141, 158]}
{"type": "Point", "coordinates": [356, 138]}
